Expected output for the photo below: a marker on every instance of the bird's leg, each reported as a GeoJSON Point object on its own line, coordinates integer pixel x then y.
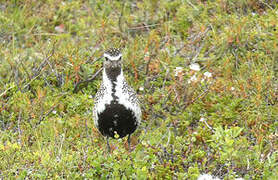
{"type": "Point", "coordinates": [107, 142]}
{"type": "Point", "coordinates": [128, 141]}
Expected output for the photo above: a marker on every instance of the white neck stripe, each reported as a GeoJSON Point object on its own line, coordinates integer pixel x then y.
{"type": "Point", "coordinates": [112, 58]}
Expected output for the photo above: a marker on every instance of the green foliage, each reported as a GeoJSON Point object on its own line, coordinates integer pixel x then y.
{"type": "Point", "coordinates": [224, 124]}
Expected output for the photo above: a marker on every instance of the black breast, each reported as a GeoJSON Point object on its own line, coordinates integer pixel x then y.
{"type": "Point", "coordinates": [116, 118]}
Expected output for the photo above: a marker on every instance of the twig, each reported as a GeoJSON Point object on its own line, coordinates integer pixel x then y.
{"type": "Point", "coordinates": [198, 52]}
{"type": "Point", "coordinates": [169, 137]}
{"type": "Point", "coordinates": [16, 78]}
{"type": "Point", "coordinates": [165, 78]}
{"type": "Point", "coordinates": [203, 120]}
{"type": "Point", "coordinates": [266, 4]}
{"type": "Point", "coordinates": [25, 69]}
{"type": "Point", "coordinates": [236, 57]}
{"type": "Point", "coordinates": [143, 27]}
{"type": "Point", "coordinates": [178, 50]}
{"type": "Point", "coordinates": [18, 125]}
{"type": "Point", "coordinates": [76, 88]}
{"type": "Point", "coordinates": [95, 60]}
{"type": "Point", "coordinates": [164, 104]}
{"type": "Point", "coordinates": [150, 57]}
{"type": "Point", "coordinates": [3, 93]}
{"type": "Point", "coordinates": [44, 116]}
{"type": "Point", "coordinates": [121, 17]}
{"type": "Point", "coordinates": [202, 95]}
{"type": "Point", "coordinates": [61, 146]}
{"type": "Point", "coordinates": [47, 34]}
{"type": "Point", "coordinates": [85, 151]}
{"type": "Point", "coordinates": [201, 35]}
{"type": "Point", "coordinates": [39, 69]}
{"type": "Point", "coordinates": [58, 76]}
{"type": "Point", "coordinates": [190, 3]}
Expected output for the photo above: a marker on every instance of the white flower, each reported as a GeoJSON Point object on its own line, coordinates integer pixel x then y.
{"type": "Point", "coordinates": [54, 112]}
{"type": "Point", "coordinates": [202, 119]}
{"type": "Point", "coordinates": [194, 67]}
{"type": "Point", "coordinates": [208, 74]}
{"type": "Point", "coordinates": [60, 28]}
{"type": "Point", "coordinates": [141, 88]}
{"type": "Point", "coordinates": [207, 177]}
{"type": "Point", "coordinates": [147, 54]}
{"type": "Point", "coordinates": [232, 88]}
{"type": "Point", "coordinates": [38, 55]}
{"type": "Point", "coordinates": [192, 79]}
{"type": "Point", "coordinates": [178, 70]}
{"type": "Point", "coordinates": [90, 97]}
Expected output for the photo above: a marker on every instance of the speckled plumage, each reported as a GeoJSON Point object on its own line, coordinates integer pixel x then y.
{"type": "Point", "coordinates": [113, 52]}
{"type": "Point", "coordinates": [116, 109]}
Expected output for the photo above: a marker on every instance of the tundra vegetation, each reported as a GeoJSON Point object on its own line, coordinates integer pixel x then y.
{"type": "Point", "coordinates": [205, 73]}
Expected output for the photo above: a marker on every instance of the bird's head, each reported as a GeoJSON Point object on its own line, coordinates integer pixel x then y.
{"type": "Point", "coordinates": [112, 62]}
{"type": "Point", "coordinates": [112, 59]}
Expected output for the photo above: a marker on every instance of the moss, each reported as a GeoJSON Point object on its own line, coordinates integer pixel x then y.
{"type": "Point", "coordinates": [224, 125]}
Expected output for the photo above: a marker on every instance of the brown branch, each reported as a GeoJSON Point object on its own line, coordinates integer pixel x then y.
{"type": "Point", "coordinates": [3, 93]}
{"type": "Point", "coordinates": [41, 66]}
{"type": "Point", "coordinates": [121, 17]}
{"type": "Point", "coordinates": [143, 27]}
{"type": "Point", "coordinates": [76, 88]}
{"type": "Point", "coordinates": [44, 116]}
{"type": "Point", "coordinates": [201, 96]}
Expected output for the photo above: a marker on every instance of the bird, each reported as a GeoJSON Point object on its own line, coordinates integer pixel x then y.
{"type": "Point", "coordinates": [117, 111]}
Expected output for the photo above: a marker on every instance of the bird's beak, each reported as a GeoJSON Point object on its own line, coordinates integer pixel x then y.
{"type": "Point", "coordinates": [116, 64]}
